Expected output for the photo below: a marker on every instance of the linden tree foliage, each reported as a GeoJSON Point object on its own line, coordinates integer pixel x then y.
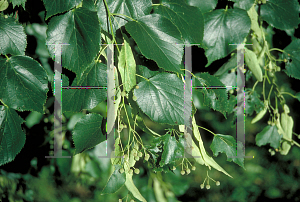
{"type": "Point", "coordinates": [149, 57]}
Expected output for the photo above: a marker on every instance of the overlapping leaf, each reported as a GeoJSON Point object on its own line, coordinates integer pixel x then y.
{"type": "Point", "coordinates": [145, 72]}
{"type": "Point", "coordinates": [216, 99]}
{"type": "Point", "coordinates": [12, 137]}
{"type": "Point", "coordinates": [87, 132]}
{"type": "Point", "coordinates": [227, 144]}
{"type": "Point", "coordinates": [12, 37]}
{"type": "Point", "coordinates": [23, 84]}
{"type": "Point", "coordinates": [252, 102]}
{"type": "Point", "coordinates": [133, 9]}
{"type": "Point", "coordinates": [162, 98]}
{"type": "Point", "coordinates": [204, 6]}
{"type": "Point", "coordinates": [224, 27]}
{"type": "Point", "coordinates": [243, 4]}
{"type": "Point", "coordinates": [172, 149]}
{"type": "Point", "coordinates": [268, 135]}
{"type": "Point", "coordinates": [77, 99]}
{"type": "Point", "coordinates": [286, 12]}
{"type": "Point", "coordinates": [189, 20]}
{"type": "Point", "coordinates": [206, 159]}
{"type": "Point", "coordinates": [59, 6]}
{"type": "Point", "coordinates": [291, 54]}
{"type": "Point", "coordinates": [115, 181]}
{"type": "Point", "coordinates": [156, 37]}
{"type": "Point", "coordinates": [81, 30]}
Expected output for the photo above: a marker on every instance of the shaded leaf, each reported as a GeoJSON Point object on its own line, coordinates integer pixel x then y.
{"type": "Point", "coordinates": [208, 161]}
{"type": "Point", "coordinates": [59, 6]}
{"type": "Point", "coordinates": [286, 12]}
{"type": "Point", "coordinates": [268, 135]}
{"type": "Point", "coordinates": [87, 132]}
{"type": "Point", "coordinates": [216, 99]}
{"type": "Point", "coordinates": [227, 144]}
{"type": "Point", "coordinates": [133, 9]}
{"type": "Point", "coordinates": [77, 99]}
{"type": "Point", "coordinates": [12, 137]}
{"type": "Point", "coordinates": [115, 181]}
{"type": "Point", "coordinates": [252, 102]}
{"type": "Point", "coordinates": [204, 6]}
{"type": "Point", "coordinates": [291, 54]}
{"type": "Point", "coordinates": [145, 72]}
{"type": "Point", "coordinates": [243, 4]}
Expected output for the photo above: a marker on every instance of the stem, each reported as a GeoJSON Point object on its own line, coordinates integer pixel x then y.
{"type": "Point", "coordinates": [288, 94]}
{"type": "Point", "coordinates": [254, 86]}
{"type": "Point", "coordinates": [276, 49]}
{"type": "Point", "coordinates": [207, 130]}
{"type": "Point", "coordinates": [296, 143]}
{"type": "Point", "coordinates": [123, 15]}
{"type": "Point", "coordinates": [270, 92]}
{"type": "Point", "coordinates": [110, 23]}
{"type": "Point", "coordinates": [142, 77]}
{"type": "Point", "coordinates": [264, 82]}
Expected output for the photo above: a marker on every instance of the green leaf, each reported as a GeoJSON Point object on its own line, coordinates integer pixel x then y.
{"type": "Point", "coordinates": [13, 37]}
{"type": "Point", "coordinates": [204, 6]}
{"type": "Point", "coordinates": [268, 135]}
{"type": "Point", "coordinates": [227, 144]}
{"type": "Point", "coordinates": [162, 98]}
{"type": "Point", "coordinates": [3, 5]}
{"type": "Point", "coordinates": [133, 9]}
{"type": "Point", "coordinates": [286, 12]}
{"type": "Point", "coordinates": [187, 19]}
{"type": "Point", "coordinates": [87, 132]}
{"type": "Point", "coordinates": [291, 53]}
{"type": "Point", "coordinates": [297, 95]}
{"type": "Point", "coordinates": [79, 28]}
{"type": "Point", "coordinates": [64, 164]}
{"type": "Point", "coordinates": [127, 66]}
{"type": "Point", "coordinates": [208, 161]}
{"type": "Point", "coordinates": [77, 99]}
{"type": "Point", "coordinates": [18, 2]}
{"type": "Point", "coordinates": [24, 83]}
{"type": "Point", "coordinates": [33, 118]}
{"type": "Point", "coordinates": [171, 149]}
{"type": "Point", "coordinates": [243, 4]}
{"type": "Point", "coordinates": [252, 102]}
{"type": "Point", "coordinates": [145, 72]}
{"type": "Point", "coordinates": [216, 99]}
{"type": "Point", "coordinates": [156, 37]}
{"type": "Point", "coordinates": [115, 181]}
{"type": "Point", "coordinates": [54, 7]}
{"type": "Point", "coordinates": [12, 137]}
{"type": "Point", "coordinates": [222, 28]}
{"type": "Point", "coordinates": [230, 64]}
